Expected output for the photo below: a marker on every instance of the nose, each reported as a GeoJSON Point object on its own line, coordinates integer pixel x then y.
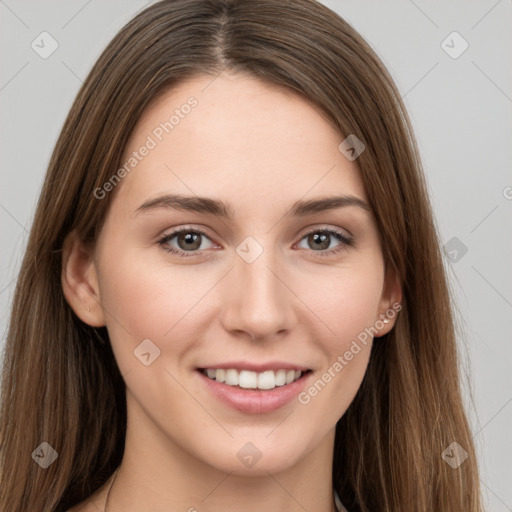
{"type": "Point", "coordinates": [258, 300]}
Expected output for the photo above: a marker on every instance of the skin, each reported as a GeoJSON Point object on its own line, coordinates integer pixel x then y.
{"type": "Point", "coordinates": [259, 148]}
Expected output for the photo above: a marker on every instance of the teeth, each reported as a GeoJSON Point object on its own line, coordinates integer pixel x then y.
{"type": "Point", "coordinates": [232, 377]}
{"type": "Point", "coordinates": [280, 377]}
{"type": "Point", "coordinates": [252, 380]}
{"type": "Point", "coordinates": [267, 380]}
{"type": "Point", "coordinates": [246, 379]}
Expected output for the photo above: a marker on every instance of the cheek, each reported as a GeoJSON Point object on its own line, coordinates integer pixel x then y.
{"type": "Point", "coordinates": [166, 303]}
{"type": "Point", "coordinates": [347, 305]}
{"type": "Point", "coordinates": [346, 301]}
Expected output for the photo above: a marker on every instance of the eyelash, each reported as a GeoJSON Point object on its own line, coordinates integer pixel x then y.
{"type": "Point", "coordinates": [345, 240]}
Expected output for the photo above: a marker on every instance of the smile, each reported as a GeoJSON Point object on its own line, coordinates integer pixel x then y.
{"type": "Point", "coordinates": [246, 379]}
{"type": "Point", "coordinates": [255, 392]}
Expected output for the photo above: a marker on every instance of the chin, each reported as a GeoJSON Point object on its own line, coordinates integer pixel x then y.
{"type": "Point", "coordinates": [255, 458]}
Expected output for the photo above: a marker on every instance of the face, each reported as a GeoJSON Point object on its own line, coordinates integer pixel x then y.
{"type": "Point", "coordinates": [247, 274]}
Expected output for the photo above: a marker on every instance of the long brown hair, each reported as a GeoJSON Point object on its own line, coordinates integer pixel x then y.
{"type": "Point", "coordinates": [60, 381]}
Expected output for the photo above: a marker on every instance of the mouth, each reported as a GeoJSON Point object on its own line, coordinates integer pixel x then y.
{"type": "Point", "coordinates": [255, 392]}
{"type": "Point", "coordinates": [247, 379]}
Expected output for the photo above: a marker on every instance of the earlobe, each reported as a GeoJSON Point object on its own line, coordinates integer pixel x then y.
{"type": "Point", "coordinates": [390, 303]}
{"type": "Point", "coordinates": [80, 282]}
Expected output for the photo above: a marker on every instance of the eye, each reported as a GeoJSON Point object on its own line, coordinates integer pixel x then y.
{"type": "Point", "coordinates": [189, 240]}
{"type": "Point", "coordinates": [321, 239]}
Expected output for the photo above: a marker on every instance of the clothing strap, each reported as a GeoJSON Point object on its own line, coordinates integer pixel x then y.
{"type": "Point", "coordinates": [338, 503]}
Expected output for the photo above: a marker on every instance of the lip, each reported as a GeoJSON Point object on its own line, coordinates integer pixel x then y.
{"type": "Point", "coordinates": [256, 367]}
{"type": "Point", "coordinates": [255, 401]}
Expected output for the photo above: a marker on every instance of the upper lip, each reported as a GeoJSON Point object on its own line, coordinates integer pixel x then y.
{"type": "Point", "coordinates": [256, 367]}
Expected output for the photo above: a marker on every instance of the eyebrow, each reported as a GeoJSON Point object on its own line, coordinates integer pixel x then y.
{"type": "Point", "coordinates": [220, 208]}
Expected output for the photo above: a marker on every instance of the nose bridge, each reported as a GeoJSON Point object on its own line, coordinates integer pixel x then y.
{"type": "Point", "coordinates": [260, 303]}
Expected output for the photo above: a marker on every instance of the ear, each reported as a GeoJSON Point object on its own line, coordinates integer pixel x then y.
{"type": "Point", "coordinates": [80, 282]}
{"type": "Point", "coordinates": [389, 304]}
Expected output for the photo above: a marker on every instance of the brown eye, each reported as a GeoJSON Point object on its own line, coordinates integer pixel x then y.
{"type": "Point", "coordinates": [320, 240]}
{"type": "Point", "coordinates": [184, 242]}
{"type": "Point", "coordinates": [189, 241]}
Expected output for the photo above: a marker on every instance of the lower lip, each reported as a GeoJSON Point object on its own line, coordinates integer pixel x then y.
{"type": "Point", "coordinates": [255, 401]}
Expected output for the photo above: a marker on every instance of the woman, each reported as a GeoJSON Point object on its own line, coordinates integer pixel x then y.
{"type": "Point", "coordinates": [177, 340]}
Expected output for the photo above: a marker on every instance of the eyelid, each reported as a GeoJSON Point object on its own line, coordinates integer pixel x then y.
{"type": "Point", "coordinates": [327, 227]}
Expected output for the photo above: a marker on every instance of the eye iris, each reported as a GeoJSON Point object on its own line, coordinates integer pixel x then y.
{"type": "Point", "coordinates": [192, 241]}
{"type": "Point", "coordinates": [324, 242]}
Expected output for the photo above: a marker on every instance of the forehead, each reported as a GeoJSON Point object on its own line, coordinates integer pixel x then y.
{"type": "Point", "coordinates": [235, 136]}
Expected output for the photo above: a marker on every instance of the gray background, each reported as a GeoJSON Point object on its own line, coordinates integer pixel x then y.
{"type": "Point", "coordinates": [461, 111]}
